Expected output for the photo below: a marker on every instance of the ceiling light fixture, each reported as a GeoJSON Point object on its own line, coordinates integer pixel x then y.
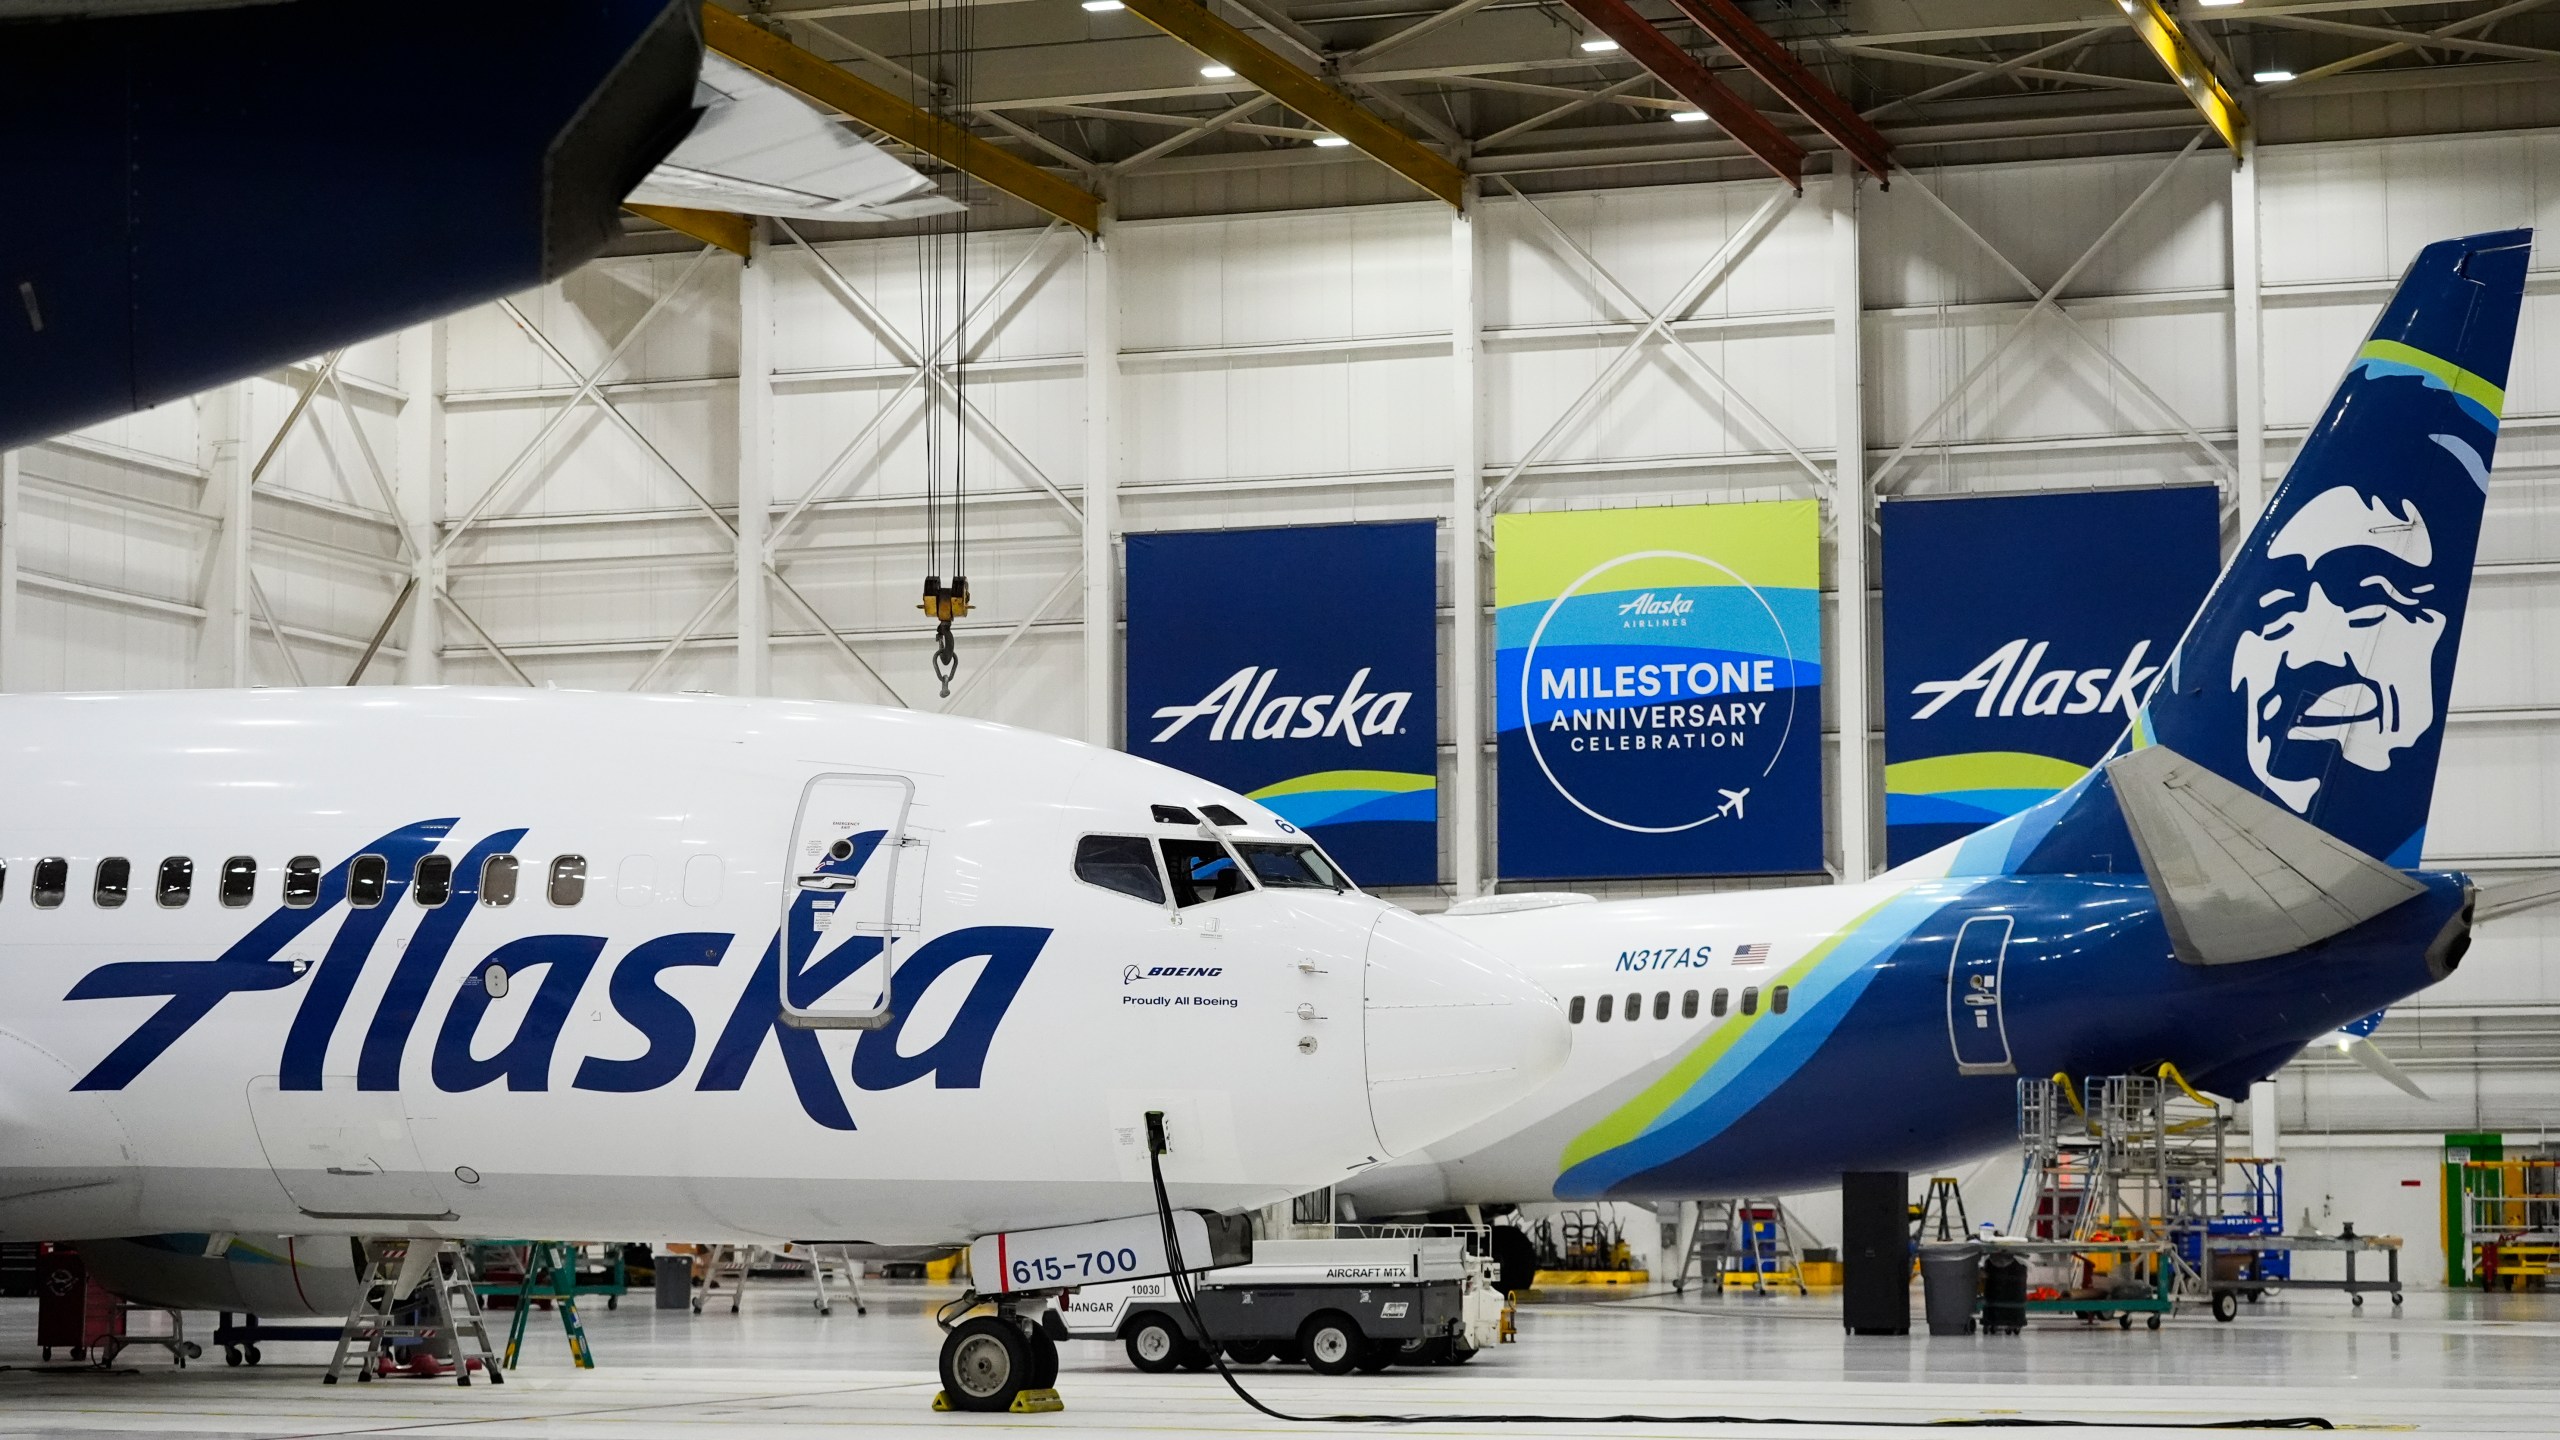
{"type": "Point", "coordinates": [1598, 45]}
{"type": "Point", "coordinates": [1217, 72]}
{"type": "Point", "coordinates": [1330, 142]}
{"type": "Point", "coordinates": [1100, 6]}
{"type": "Point", "coordinates": [2216, 4]}
{"type": "Point", "coordinates": [1687, 117]}
{"type": "Point", "coordinates": [2272, 77]}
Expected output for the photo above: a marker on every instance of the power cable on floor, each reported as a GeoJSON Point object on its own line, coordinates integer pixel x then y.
{"type": "Point", "coordinates": [1180, 1277]}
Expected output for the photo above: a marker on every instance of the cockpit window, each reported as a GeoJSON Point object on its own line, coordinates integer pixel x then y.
{"type": "Point", "coordinates": [1172, 815]}
{"type": "Point", "coordinates": [1290, 867]}
{"type": "Point", "coordinates": [1202, 871]}
{"type": "Point", "coordinates": [1122, 864]}
{"type": "Point", "coordinates": [1221, 815]}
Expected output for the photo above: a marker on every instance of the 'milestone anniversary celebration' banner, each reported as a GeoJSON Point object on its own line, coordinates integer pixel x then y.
{"type": "Point", "coordinates": [1657, 685]}
{"type": "Point", "coordinates": [1299, 666]}
{"type": "Point", "coordinates": [2020, 633]}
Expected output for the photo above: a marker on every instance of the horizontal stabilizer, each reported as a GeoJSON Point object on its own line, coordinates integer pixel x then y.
{"type": "Point", "coordinates": [2516, 897]}
{"type": "Point", "coordinates": [2237, 878]}
{"type": "Point", "coordinates": [2365, 1053]}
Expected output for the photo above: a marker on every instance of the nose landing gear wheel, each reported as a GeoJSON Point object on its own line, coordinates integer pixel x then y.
{"type": "Point", "coordinates": [985, 1363]}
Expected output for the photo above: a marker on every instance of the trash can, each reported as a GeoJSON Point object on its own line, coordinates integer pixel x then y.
{"type": "Point", "coordinates": [1950, 1278]}
{"type": "Point", "coordinates": [2004, 1295]}
{"type": "Point", "coordinates": [674, 1282]}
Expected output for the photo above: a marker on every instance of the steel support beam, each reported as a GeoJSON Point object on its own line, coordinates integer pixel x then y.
{"type": "Point", "coordinates": [2195, 78]}
{"type": "Point", "coordinates": [733, 233]}
{"type": "Point", "coordinates": [2248, 337]}
{"type": "Point", "coordinates": [1778, 68]}
{"type": "Point", "coordinates": [755, 468]}
{"type": "Point", "coordinates": [1468, 843]}
{"type": "Point", "coordinates": [1319, 101]}
{"type": "Point", "coordinates": [784, 63]}
{"type": "Point", "coordinates": [1101, 489]}
{"type": "Point", "coordinates": [1851, 504]}
{"type": "Point", "coordinates": [1696, 84]}
{"type": "Point", "coordinates": [222, 640]}
{"type": "Point", "coordinates": [420, 487]}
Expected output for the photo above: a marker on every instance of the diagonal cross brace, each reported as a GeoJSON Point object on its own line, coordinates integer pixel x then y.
{"type": "Point", "coordinates": [1690, 292]}
{"type": "Point", "coordinates": [1695, 83]}
{"type": "Point", "coordinates": [1779, 69]}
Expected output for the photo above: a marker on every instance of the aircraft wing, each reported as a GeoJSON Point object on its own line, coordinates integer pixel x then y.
{"type": "Point", "coordinates": [759, 149]}
{"type": "Point", "coordinates": [2237, 878]}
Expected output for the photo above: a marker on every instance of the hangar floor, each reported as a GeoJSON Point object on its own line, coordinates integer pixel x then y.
{"type": "Point", "coordinates": [2459, 1364]}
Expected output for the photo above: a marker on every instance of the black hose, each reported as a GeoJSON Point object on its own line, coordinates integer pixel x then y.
{"type": "Point", "coordinates": [1183, 1291]}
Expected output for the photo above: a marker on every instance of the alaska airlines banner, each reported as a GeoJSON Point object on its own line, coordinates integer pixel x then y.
{"type": "Point", "coordinates": [1658, 688]}
{"type": "Point", "coordinates": [2020, 632]}
{"type": "Point", "coordinates": [1299, 666]}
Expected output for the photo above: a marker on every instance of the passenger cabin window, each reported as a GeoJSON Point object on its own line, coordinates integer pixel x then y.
{"type": "Point", "coordinates": [1201, 871]}
{"type": "Point", "coordinates": [177, 882]}
{"type": "Point", "coordinates": [1290, 867]}
{"type": "Point", "coordinates": [1573, 1011]}
{"type": "Point", "coordinates": [1635, 1007]}
{"type": "Point", "coordinates": [239, 881]}
{"type": "Point", "coordinates": [1221, 815]}
{"type": "Point", "coordinates": [1121, 864]}
{"type": "Point", "coordinates": [4, 877]}
{"type": "Point", "coordinates": [115, 879]}
{"type": "Point", "coordinates": [1600, 1015]}
{"type": "Point", "coordinates": [1778, 1000]}
{"type": "Point", "coordinates": [367, 877]}
{"type": "Point", "coordinates": [1750, 999]}
{"type": "Point", "coordinates": [1689, 1006]}
{"type": "Point", "coordinates": [568, 879]}
{"type": "Point", "coordinates": [302, 881]}
{"type": "Point", "coordinates": [53, 877]}
{"type": "Point", "coordinates": [498, 880]}
{"type": "Point", "coordinates": [1715, 1006]}
{"type": "Point", "coordinates": [1172, 815]}
{"type": "Point", "coordinates": [1662, 1005]}
{"type": "Point", "coordinates": [433, 884]}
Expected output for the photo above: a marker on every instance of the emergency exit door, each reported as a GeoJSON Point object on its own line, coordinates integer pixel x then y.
{"type": "Point", "coordinates": [1975, 1024]}
{"type": "Point", "coordinates": [841, 908]}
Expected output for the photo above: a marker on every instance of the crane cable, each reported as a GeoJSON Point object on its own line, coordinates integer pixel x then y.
{"type": "Point", "coordinates": [948, 49]}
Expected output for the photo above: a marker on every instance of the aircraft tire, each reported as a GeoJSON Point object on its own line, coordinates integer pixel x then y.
{"type": "Point", "coordinates": [985, 1363]}
{"type": "Point", "coordinates": [1154, 1343]}
{"type": "Point", "coordinates": [1044, 1360]}
{"type": "Point", "coordinates": [1332, 1343]}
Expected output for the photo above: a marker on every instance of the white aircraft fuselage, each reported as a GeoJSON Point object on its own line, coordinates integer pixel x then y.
{"type": "Point", "coordinates": [613, 1061]}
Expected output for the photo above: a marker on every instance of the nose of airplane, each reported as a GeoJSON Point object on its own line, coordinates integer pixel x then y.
{"type": "Point", "coordinates": [1455, 1034]}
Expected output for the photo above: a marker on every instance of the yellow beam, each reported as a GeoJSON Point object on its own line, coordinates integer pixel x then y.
{"type": "Point", "coordinates": [784, 63]}
{"type": "Point", "coordinates": [2178, 56]}
{"type": "Point", "coordinates": [1261, 67]}
{"type": "Point", "coordinates": [711, 227]}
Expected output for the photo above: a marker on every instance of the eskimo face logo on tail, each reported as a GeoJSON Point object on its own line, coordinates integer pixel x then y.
{"type": "Point", "coordinates": [2343, 653]}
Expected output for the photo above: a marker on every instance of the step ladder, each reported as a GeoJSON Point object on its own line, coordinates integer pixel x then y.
{"type": "Point", "coordinates": [413, 1294]}
{"type": "Point", "coordinates": [732, 1263]}
{"type": "Point", "coordinates": [836, 1262]}
{"type": "Point", "coordinates": [550, 1273]}
{"type": "Point", "coordinates": [1741, 1243]}
{"type": "Point", "coordinates": [1944, 1204]}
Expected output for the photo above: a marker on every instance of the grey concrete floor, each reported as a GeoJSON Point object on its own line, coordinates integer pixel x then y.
{"type": "Point", "coordinates": [2448, 1364]}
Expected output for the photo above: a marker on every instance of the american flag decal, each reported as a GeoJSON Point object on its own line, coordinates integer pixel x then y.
{"type": "Point", "coordinates": [1753, 954]}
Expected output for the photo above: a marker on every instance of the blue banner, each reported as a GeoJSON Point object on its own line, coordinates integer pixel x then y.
{"type": "Point", "coordinates": [1658, 690]}
{"type": "Point", "coordinates": [1299, 666]}
{"type": "Point", "coordinates": [2020, 632]}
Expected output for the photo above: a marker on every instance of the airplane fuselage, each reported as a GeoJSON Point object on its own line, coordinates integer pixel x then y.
{"type": "Point", "coordinates": [334, 1054]}
{"type": "Point", "coordinates": [1763, 1042]}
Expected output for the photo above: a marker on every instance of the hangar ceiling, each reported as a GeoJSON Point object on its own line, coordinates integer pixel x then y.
{"type": "Point", "coordinates": [1511, 90]}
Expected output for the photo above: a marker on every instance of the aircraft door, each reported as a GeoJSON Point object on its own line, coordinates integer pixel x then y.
{"type": "Point", "coordinates": [844, 900]}
{"type": "Point", "coordinates": [1975, 1024]}
{"type": "Point", "coordinates": [344, 1154]}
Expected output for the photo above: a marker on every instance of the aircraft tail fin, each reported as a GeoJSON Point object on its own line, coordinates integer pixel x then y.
{"type": "Point", "coordinates": [2237, 877]}
{"type": "Point", "coordinates": [2315, 675]}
